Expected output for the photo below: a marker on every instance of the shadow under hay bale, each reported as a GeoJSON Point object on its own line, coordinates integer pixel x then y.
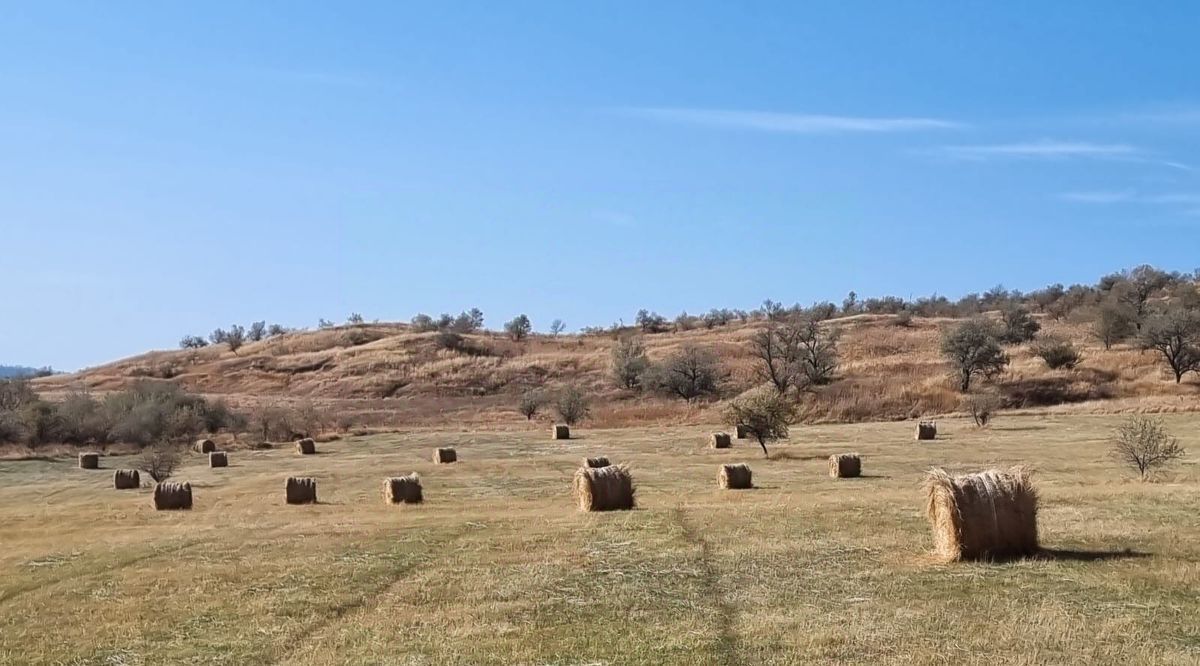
{"type": "Point", "coordinates": [403, 489]}
{"type": "Point", "coordinates": [90, 460]}
{"type": "Point", "coordinates": [600, 461]}
{"type": "Point", "coordinates": [301, 490]}
{"type": "Point", "coordinates": [126, 479]}
{"type": "Point", "coordinates": [445, 455]}
{"type": "Point", "coordinates": [306, 446]}
{"type": "Point", "coordinates": [205, 446]}
{"type": "Point", "coordinates": [604, 488]}
{"type": "Point", "coordinates": [561, 431]}
{"type": "Point", "coordinates": [735, 477]}
{"type": "Point", "coordinates": [218, 459]}
{"type": "Point", "coordinates": [927, 430]}
{"type": "Point", "coordinates": [741, 431]}
{"type": "Point", "coordinates": [985, 516]}
{"type": "Point", "coordinates": [169, 496]}
{"type": "Point", "coordinates": [845, 465]}
{"type": "Point", "coordinates": [721, 440]}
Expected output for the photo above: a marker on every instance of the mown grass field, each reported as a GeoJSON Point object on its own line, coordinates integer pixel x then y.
{"type": "Point", "coordinates": [499, 567]}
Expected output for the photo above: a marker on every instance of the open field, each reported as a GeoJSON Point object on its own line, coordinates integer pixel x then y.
{"type": "Point", "coordinates": [498, 566]}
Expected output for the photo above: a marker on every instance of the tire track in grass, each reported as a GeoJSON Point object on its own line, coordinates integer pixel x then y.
{"type": "Point", "coordinates": [726, 647]}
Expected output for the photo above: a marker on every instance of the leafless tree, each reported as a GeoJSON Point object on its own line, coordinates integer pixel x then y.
{"type": "Point", "coordinates": [161, 460]}
{"type": "Point", "coordinates": [1143, 443]}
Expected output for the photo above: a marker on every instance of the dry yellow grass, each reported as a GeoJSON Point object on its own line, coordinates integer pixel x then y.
{"type": "Point", "coordinates": [803, 569]}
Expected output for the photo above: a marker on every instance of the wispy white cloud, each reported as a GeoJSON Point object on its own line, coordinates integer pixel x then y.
{"type": "Point", "coordinates": [792, 123]}
{"type": "Point", "coordinates": [1045, 149]}
{"type": "Point", "coordinates": [1185, 203]}
{"type": "Point", "coordinates": [1099, 197]}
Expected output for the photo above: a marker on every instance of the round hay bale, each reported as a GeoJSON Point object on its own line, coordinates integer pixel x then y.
{"type": "Point", "coordinates": [205, 446]}
{"type": "Point", "coordinates": [301, 490]}
{"type": "Point", "coordinates": [89, 460]}
{"type": "Point", "coordinates": [599, 461]}
{"type": "Point", "coordinates": [306, 446]}
{"type": "Point", "coordinates": [561, 431]}
{"type": "Point", "coordinates": [845, 465]}
{"type": "Point", "coordinates": [604, 488]}
{"type": "Point", "coordinates": [125, 479]}
{"type": "Point", "coordinates": [170, 496]}
{"type": "Point", "coordinates": [445, 455]}
{"type": "Point", "coordinates": [983, 516]}
{"type": "Point", "coordinates": [735, 477]}
{"type": "Point", "coordinates": [403, 489]}
{"type": "Point", "coordinates": [927, 430]}
{"type": "Point", "coordinates": [721, 440]}
{"type": "Point", "coordinates": [741, 431]}
{"type": "Point", "coordinates": [218, 459]}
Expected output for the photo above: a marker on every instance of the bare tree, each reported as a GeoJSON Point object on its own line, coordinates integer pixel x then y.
{"type": "Point", "coordinates": [572, 405]}
{"type": "Point", "coordinates": [691, 373]}
{"type": "Point", "coordinates": [531, 401]}
{"type": "Point", "coordinates": [519, 327]}
{"type": "Point", "coordinates": [777, 348]}
{"type": "Point", "coordinates": [973, 349]}
{"type": "Point", "coordinates": [629, 362]}
{"type": "Point", "coordinates": [1114, 322]}
{"type": "Point", "coordinates": [1176, 335]}
{"type": "Point", "coordinates": [1143, 443]}
{"type": "Point", "coordinates": [556, 327]}
{"type": "Point", "coordinates": [981, 407]}
{"type": "Point", "coordinates": [162, 459]}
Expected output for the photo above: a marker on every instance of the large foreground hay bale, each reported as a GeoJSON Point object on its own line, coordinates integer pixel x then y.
{"type": "Point", "coordinates": [599, 461]}
{"type": "Point", "coordinates": [89, 460]}
{"type": "Point", "coordinates": [741, 431]}
{"type": "Point", "coordinates": [169, 495]}
{"type": "Point", "coordinates": [845, 465]}
{"type": "Point", "coordinates": [445, 455]}
{"type": "Point", "coordinates": [403, 489]}
{"type": "Point", "coordinates": [988, 515]}
{"type": "Point", "coordinates": [735, 476]}
{"type": "Point", "coordinates": [561, 431]}
{"type": "Point", "coordinates": [218, 459]}
{"type": "Point", "coordinates": [927, 430]}
{"type": "Point", "coordinates": [301, 490]}
{"type": "Point", "coordinates": [721, 440]}
{"type": "Point", "coordinates": [306, 446]}
{"type": "Point", "coordinates": [604, 488]}
{"type": "Point", "coordinates": [124, 479]}
{"type": "Point", "coordinates": [205, 446]}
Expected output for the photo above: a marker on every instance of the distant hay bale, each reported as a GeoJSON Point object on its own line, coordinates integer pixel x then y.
{"type": "Point", "coordinates": [169, 496]}
{"type": "Point", "coordinates": [845, 465]}
{"type": "Point", "coordinates": [562, 431]}
{"type": "Point", "coordinates": [218, 459]}
{"type": "Point", "coordinates": [124, 479]}
{"type": "Point", "coordinates": [741, 431]}
{"type": "Point", "coordinates": [89, 460]}
{"type": "Point", "coordinates": [306, 446]}
{"type": "Point", "coordinates": [927, 430]}
{"type": "Point", "coordinates": [403, 489]}
{"type": "Point", "coordinates": [205, 446]}
{"type": "Point", "coordinates": [988, 515]}
{"type": "Point", "coordinates": [721, 440]}
{"type": "Point", "coordinates": [301, 490]}
{"type": "Point", "coordinates": [445, 455]}
{"type": "Point", "coordinates": [735, 477]}
{"type": "Point", "coordinates": [600, 461]}
{"type": "Point", "coordinates": [604, 488]}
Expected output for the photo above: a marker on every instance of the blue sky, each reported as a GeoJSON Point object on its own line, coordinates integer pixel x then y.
{"type": "Point", "coordinates": [172, 167]}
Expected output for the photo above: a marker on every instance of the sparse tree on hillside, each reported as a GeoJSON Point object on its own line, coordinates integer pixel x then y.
{"type": "Point", "coordinates": [1176, 335]}
{"type": "Point", "coordinates": [1058, 353]}
{"type": "Point", "coordinates": [531, 401]}
{"type": "Point", "coordinates": [1114, 323]}
{"type": "Point", "coordinates": [235, 338]}
{"type": "Point", "coordinates": [651, 322]}
{"type": "Point", "coordinates": [519, 327]}
{"type": "Point", "coordinates": [818, 346]}
{"type": "Point", "coordinates": [1134, 288]}
{"type": "Point", "coordinates": [684, 322]}
{"type": "Point", "coordinates": [192, 342]}
{"type": "Point", "coordinates": [275, 330]}
{"type": "Point", "coordinates": [764, 412]}
{"type": "Point", "coordinates": [556, 327]}
{"type": "Point", "coordinates": [423, 323]}
{"type": "Point", "coordinates": [778, 351]}
{"type": "Point", "coordinates": [1019, 325]}
{"type": "Point", "coordinates": [772, 310]}
{"type": "Point", "coordinates": [218, 336]}
{"type": "Point", "coordinates": [850, 304]}
{"type": "Point", "coordinates": [629, 362]}
{"type": "Point", "coordinates": [973, 350]}
{"type": "Point", "coordinates": [572, 405]}
{"type": "Point", "coordinates": [324, 323]}
{"type": "Point", "coordinates": [354, 319]}
{"type": "Point", "coordinates": [690, 373]}
{"type": "Point", "coordinates": [1143, 443]}
{"type": "Point", "coordinates": [257, 331]}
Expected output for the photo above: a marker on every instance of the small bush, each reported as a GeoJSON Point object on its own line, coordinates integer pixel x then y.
{"type": "Point", "coordinates": [981, 407]}
{"type": "Point", "coordinates": [1057, 353]}
{"type": "Point", "coordinates": [531, 401]}
{"type": "Point", "coordinates": [572, 405]}
{"type": "Point", "coordinates": [1143, 444]}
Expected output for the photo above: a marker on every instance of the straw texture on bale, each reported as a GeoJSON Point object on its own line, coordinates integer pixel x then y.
{"type": "Point", "coordinates": [403, 489]}
{"type": "Point", "coordinates": [735, 476]}
{"type": "Point", "coordinates": [741, 431]}
{"type": "Point", "coordinates": [218, 459]}
{"type": "Point", "coordinates": [89, 460]}
{"type": "Point", "coordinates": [845, 465]}
{"type": "Point", "coordinates": [562, 431]}
{"type": "Point", "coordinates": [604, 488]}
{"type": "Point", "coordinates": [169, 495]}
{"type": "Point", "coordinates": [927, 430]}
{"type": "Point", "coordinates": [989, 515]}
{"type": "Point", "coordinates": [596, 462]}
{"type": "Point", "coordinates": [301, 490]}
{"type": "Point", "coordinates": [124, 479]}
{"type": "Point", "coordinates": [306, 446]}
{"type": "Point", "coordinates": [205, 446]}
{"type": "Point", "coordinates": [721, 440]}
{"type": "Point", "coordinates": [445, 455]}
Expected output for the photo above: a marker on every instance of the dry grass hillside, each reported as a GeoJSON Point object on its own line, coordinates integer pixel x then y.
{"type": "Point", "coordinates": [386, 375]}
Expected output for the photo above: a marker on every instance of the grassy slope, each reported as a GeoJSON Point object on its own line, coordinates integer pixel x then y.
{"type": "Point", "coordinates": [498, 567]}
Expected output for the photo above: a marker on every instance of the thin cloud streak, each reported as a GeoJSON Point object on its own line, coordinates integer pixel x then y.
{"type": "Point", "coordinates": [790, 123]}
{"type": "Point", "coordinates": [1044, 150]}
{"type": "Point", "coordinates": [1131, 197]}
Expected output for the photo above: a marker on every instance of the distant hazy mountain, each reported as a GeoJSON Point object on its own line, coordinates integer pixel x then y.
{"type": "Point", "coordinates": [7, 371]}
